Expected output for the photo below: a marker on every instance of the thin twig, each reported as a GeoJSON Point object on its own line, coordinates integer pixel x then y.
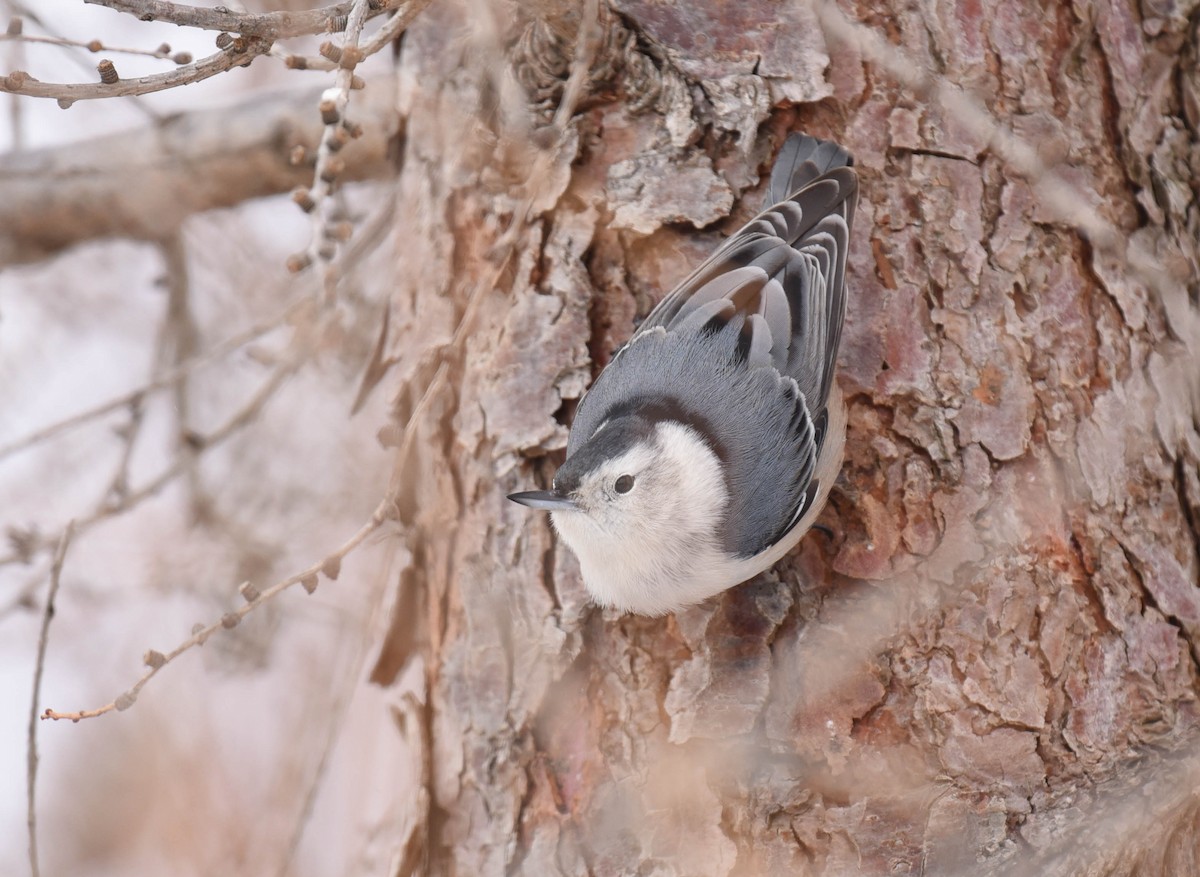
{"type": "Point", "coordinates": [322, 246]}
{"type": "Point", "coordinates": [391, 29]}
{"type": "Point", "coordinates": [167, 379]}
{"type": "Point", "coordinates": [240, 52]}
{"type": "Point", "coordinates": [75, 54]}
{"type": "Point", "coordinates": [16, 108]}
{"type": "Point", "coordinates": [329, 566]}
{"type": "Point", "coordinates": [178, 344]}
{"type": "Point", "coordinates": [156, 660]}
{"type": "Point", "coordinates": [162, 53]}
{"type": "Point", "coordinates": [269, 25]}
{"type": "Point", "coordinates": [111, 506]}
{"type": "Point", "coordinates": [31, 756]}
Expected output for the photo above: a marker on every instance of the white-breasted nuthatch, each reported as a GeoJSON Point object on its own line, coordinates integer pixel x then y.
{"type": "Point", "coordinates": [708, 445]}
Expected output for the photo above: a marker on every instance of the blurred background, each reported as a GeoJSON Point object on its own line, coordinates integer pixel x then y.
{"type": "Point", "coordinates": [243, 755]}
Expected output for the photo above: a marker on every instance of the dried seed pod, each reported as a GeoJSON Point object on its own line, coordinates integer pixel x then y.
{"type": "Point", "coordinates": [108, 72]}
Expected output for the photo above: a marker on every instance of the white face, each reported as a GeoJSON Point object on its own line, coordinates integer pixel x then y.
{"type": "Point", "coordinates": [646, 518]}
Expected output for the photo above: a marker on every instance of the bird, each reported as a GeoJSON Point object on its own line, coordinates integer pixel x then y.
{"type": "Point", "coordinates": [708, 445]}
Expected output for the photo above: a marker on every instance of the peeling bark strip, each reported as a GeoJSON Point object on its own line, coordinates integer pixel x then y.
{"type": "Point", "coordinates": [984, 668]}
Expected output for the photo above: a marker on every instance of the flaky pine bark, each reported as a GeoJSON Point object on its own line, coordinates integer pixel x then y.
{"type": "Point", "coordinates": [991, 665]}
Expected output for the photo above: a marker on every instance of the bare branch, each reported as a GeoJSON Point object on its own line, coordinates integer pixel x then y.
{"type": "Point", "coordinates": [338, 131]}
{"type": "Point", "coordinates": [167, 379]}
{"type": "Point", "coordinates": [141, 184]}
{"type": "Point", "coordinates": [162, 52]}
{"type": "Point", "coordinates": [112, 506]}
{"type": "Point", "coordinates": [239, 53]}
{"type": "Point", "coordinates": [307, 578]}
{"type": "Point", "coordinates": [157, 660]}
{"type": "Point", "coordinates": [270, 25]}
{"type": "Point", "coordinates": [75, 52]}
{"type": "Point", "coordinates": [31, 754]}
{"type": "Point", "coordinates": [384, 36]}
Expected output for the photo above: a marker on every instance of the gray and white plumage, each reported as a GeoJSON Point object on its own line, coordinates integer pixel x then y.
{"type": "Point", "coordinates": [707, 446]}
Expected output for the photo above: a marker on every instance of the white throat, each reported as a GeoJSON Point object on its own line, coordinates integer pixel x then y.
{"type": "Point", "coordinates": [663, 549]}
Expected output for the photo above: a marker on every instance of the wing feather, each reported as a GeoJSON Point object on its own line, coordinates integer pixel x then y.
{"type": "Point", "coordinates": [754, 334]}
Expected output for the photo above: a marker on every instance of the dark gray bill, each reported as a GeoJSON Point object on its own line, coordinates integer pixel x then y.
{"type": "Point", "coordinates": [546, 500]}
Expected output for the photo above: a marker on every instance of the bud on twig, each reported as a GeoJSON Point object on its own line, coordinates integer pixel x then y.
{"type": "Point", "coordinates": [108, 72]}
{"type": "Point", "coordinates": [298, 262]}
{"type": "Point", "coordinates": [329, 111]}
{"type": "Point", "coordinates": [303, 199]}
{"type": "Point", "coordinates": [333, 169]}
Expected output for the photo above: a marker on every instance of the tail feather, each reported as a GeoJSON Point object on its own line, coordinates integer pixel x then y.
{"type": "Point", "coordinates": [803, 159]}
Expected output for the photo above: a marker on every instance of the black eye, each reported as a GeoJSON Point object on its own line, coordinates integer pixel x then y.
{"type": "Point", "coordinates": [624, 484]}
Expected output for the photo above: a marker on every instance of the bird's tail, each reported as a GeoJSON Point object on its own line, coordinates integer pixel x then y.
{"type": "Point", "coordinates": [802, 160]}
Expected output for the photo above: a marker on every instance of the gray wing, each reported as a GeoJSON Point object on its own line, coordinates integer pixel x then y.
{"type": "Point", "coordinates": [784, 272]}
{"type": "Point", "coordinates": [754, 419]}
{"type": "Point", "coordinates": [745, 348]}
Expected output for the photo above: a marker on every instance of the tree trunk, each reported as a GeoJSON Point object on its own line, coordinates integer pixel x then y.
{"type": "Point", "coordinates": [990, 666]}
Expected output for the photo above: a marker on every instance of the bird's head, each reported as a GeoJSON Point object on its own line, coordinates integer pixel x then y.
{"type": "Point", "coordinates": [636, 495]}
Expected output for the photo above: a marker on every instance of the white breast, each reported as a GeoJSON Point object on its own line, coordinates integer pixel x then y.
{"type": "Point", "coordinates": [667, 554]}
{"type": "Point", "coordinates": [664, 552]}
